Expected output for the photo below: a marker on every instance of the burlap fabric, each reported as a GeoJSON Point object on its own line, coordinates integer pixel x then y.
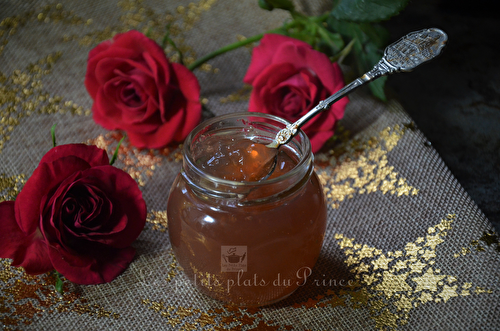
{"type": "Point", "coordinates": [405, 246]}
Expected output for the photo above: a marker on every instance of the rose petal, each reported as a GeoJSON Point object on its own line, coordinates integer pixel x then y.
{"type": "Point", "coordinates": [46, 177]}
{"type": "Point", "coordinates": [27, 251]}
{"type": "Point", "coordinates": [51, 226]}
{"type": "Point", "coordinates": [319, 138]}
{"type": "Point", "coordinates": [94, 155]}
{"type": "Point", "coordinates": [289, 78]}
{"type": "Point", "coordinates": [264, 54]}
{"type": "Point", "coordinates": [136, 89]}
{"type": "Point", "coordinates": [109, 63]}
{"type": "Point", "coordinates": [129, 206]}
{"type": "Point", "coordinates": [102, 265]}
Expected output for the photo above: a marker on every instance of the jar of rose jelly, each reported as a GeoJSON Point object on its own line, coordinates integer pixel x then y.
{"type": "Point", "coordinates": [246, 242]}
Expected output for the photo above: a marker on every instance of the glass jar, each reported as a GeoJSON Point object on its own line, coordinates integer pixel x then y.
{"type": "Point", "coordinates": [246, 243]}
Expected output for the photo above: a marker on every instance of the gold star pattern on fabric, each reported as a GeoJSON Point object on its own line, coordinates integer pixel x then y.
{"type": "Point", "coordinates": [136, 15]}
{"type": "Point", "coordinates": [363, 267]}
{"type": "Point", "coordinates": [362, 167]}
{"type": "Point", "coordinates": [337, 301]}
{"type": "Point", "coordinates": [173, 267]}
{"type": "Point", "coordinates": [425, 297]}
{"type": "Point", "coordinates": [433, 241]}
{"type": "Point", "coordinates": [428, 254]}
{"type": "Point", "coordinates": [226, 318]}
{"type": "Point", "coordinates": [406, 279]}
{"type": "Point", "coordinates": [386, 319]}
{"type": "Point", "coordinates": [417, 267]}
{"type": "Point", "coordinates": [400, 265]}
{"type": "Point", "coordinates": [158, 219]}
{"type": "Point", "coordinates": [489, 238]}
{"type": "Point", "coordinates": [346, 242]}
{"type": "Point", "coordinates": [412, 249]}
{"type": "Point", "coordinates": [369, 279]}
{"type": "Point", "coordinates": [23, 95]}
{"type": "Point", "coordinates": [10, 186]}
{"type": "Point", "coordinates": [139, 164]}
{"type": "Point", "coordinates": [392, 284]}
{"type": "Point", "coordinates": [488, 241]}
{"type": "Point", "coordinates": [51, 13]}
{"type": "Point", "coordinates": [448, 292]}
{"type": "Point", "coordinates": [366, 251]}
{"type": "Point", "coordinates": [381, 263]}
{"type": "Point", "coordinates": [428, 281]}
{"type": "Point", "coordinates": [17, 287]}
{"type": "Point", "coordinates": [404, 303]}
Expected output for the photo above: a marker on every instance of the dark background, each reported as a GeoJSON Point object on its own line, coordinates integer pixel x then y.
{"type": "Point", "coordinates": [455, 99]}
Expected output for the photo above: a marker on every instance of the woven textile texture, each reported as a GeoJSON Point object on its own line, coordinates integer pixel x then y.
{"type": "Point", "coordinates": [405, 247]}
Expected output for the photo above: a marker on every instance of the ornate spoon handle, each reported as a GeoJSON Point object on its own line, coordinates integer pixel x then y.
{"type": "Point", "coordinates": [402, 56]}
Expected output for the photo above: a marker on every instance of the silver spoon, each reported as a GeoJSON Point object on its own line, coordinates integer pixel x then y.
{"type": "Point", "coordinates": [402, 56]}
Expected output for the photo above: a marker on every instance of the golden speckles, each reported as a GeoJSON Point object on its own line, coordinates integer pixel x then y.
{"type": "Point", "coordinates": [25, 296]}
{"type": "Point", "coordinates": [412, 249]}
{"type": "Point", "coordinates": [392, 284]}
{"type": "Point", "coordinates": [22, 95]}
{"type": "Point", "coordinates": [365, 251]}
{"type": "Point", "coordinates": [53, 13]}
{"type": "Point", "coordinates": [227, 318]}
{"type": "Point", "coordinates": [490, 238]}
{"type": "Point", "coordinates": [386, 319]}
{"type": "Point", "coordinates": [428, 281]}
{"type": "Point", "coordinates": [139, 164]}
{"type": "Point", "coordinates": [351, 260]}
{"type": "Point", "coordinates": [346, 242]}
{"type": "Point", "coordinates": [369, 279]}
{"type": "Point", "coordinates": [241, 95]}
{"type": "Point", "coordinates": [400, 265]}
{"type": "Point", "coordinates": [158, 219]}
{"type": "Point", "coordinates": [10, 186]}
{"type": "Point", "coordinates": [363, 267]}
{"type": "Point", "coordinates": [136, 15]}
{"type": "Point", "coordinates": [425, 297]}
{"type": "Point", "coordinates": [417, 267]}
{"type": "Point", "coordinates": [381, 263]}
{"type": "Point", "coordinates": [448, 292]}
{"type": "Point", "coordinates": [21, 290]}
{"type": "Point", "coordinates": [428, 254]}
{"type": "Point", "coordinates": [362, 167]}
{"type": "Point", "coordinates": [404, 278]}
{"type": "Point", "coordinates": [404, 303]}
{"type": "Point", "coordinates": [94, 310]}
{"type": "Point", "coordinates": [173, 267]}
{"type": "Point", "coordinates": [480, 290]}
{"type": "Point", "coordinates": [488, 241]}
{"type": "Point", "coordinates": [445, 223]}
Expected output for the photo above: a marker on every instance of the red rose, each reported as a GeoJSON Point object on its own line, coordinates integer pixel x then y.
{"type": "Point", "coordinates": [289, 78]}
{"type": "Point", "coordinates": [136, 89]}
{"type": "Point", "coordinates": [76, 214]}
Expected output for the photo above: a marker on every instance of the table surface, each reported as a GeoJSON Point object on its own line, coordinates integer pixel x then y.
{"type": "Point", "coordinates": [405, 217]}
{"type": "Point", "coordinates": [455, 100]}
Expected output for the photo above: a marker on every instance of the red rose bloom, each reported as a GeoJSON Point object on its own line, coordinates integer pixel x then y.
{"type": "Point", "coordinates": [289, 78]}
{"type": "Point", "coordinates": [76, 214]}
{"type": "Point", "coordinates": [136, 89]}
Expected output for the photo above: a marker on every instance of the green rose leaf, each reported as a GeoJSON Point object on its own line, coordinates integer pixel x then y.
{"type": "Point", "coordinates": [265, 5]}
{"type": "Point", "coordinates": [367, 50]}
{"type": "Point", "coordinates": [329, 43]}
{"type": "Point", "coordinates": [367, 10]}
{"type": "Point", "coordinates": [280, 4]}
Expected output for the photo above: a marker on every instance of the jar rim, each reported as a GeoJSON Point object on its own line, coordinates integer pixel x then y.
{"type": "Point", "coordinates": [306, 157]}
